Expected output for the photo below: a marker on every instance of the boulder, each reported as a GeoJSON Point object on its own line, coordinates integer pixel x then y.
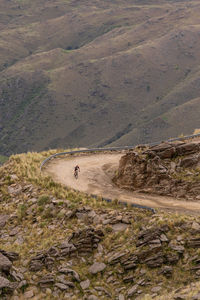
{"type": "Point", "coordinates": [46, 280]}
{"type": "Point", "coordinates": [156, 289]}
{"type": "Point", "coordinates": [73, 273]}
{"type": "Point", "coordinates": [14, 231]}
{"type": "Point", "coordinates": [29, 294]}
{"type": "Point", "coordinates": [3, 220]}
{"type": "Point", "coordinates": [160, 148]}
{"type": "Point", "coordinates": [62, 286]}
{"type": "Point", "coordinates": [168, 153]}
{"type": "Point", "coordinates": [5, 263]}
{"type": "Point", "coordinates": [189, 162]}
{"type": "Point", "coordinates": [194, 242]}
{"type": "Point", "coordinates": [85, 284]}
{"type": "Point", "coordinates": [14, 190]}
{"type": "Point", "coordinates": [97, 267]}
{"type": "Point", "coordinates": [119, 227]}
{"type": "Point", "coordinates": [6, 284]}
{"type": "Point", "coordinates": [115, 257]}
{"type": "Point", "coordinates": [187, 148]}
{"type": "Point", "coordinates": [155, 261]}
{"type": "Point", "coordinates": [92, 297]}
{"type": "Point", "coordinates": [171, 258]}
{"type": "Point", "coordinates": [10, 255]}
{"type": "Point", "coordinates": [196, 226]}
{"type": "Point", "coordinates": [178, 248]}
{"type": "Point", "coordinates": [85, 241]}
{"type": "Point", "coordinates": [61, 279]}
{"type": "Point", "coordinates": [132, 290]}
{"type": "Point", "coordinates": [166, 271]}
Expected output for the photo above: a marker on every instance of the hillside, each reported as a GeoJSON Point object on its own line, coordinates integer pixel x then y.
{"type": "Point", "coordinates": [70, 70]}
{"type": "Point", "coordinates": [60, 244]}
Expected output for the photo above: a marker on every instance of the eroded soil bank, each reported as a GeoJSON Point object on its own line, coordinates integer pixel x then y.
{"type": "Point", "coordinates": [170, 169]}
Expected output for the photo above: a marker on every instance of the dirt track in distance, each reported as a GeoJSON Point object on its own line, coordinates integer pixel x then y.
{"type": "Point", "coordinates": [95, 178]}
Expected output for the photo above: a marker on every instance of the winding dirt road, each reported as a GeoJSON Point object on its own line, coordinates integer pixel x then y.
{"type": "Point", "coordinates": [95, 178]}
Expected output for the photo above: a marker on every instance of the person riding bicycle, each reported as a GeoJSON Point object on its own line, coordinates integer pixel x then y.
{"type": "Point", "coordinates": [76, 170]}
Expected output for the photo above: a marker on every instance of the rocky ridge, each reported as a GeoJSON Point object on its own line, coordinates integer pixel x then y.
{"type": "Point", "coordinates": [171, 169]}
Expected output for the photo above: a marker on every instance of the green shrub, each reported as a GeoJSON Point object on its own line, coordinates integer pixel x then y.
{"type": "Point", "coordinates": [44, 199]}
{"type": "Point", "coordinates": [22, 208]}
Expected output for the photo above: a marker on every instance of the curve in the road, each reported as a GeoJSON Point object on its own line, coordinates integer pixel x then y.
{"type": "Point", "coordinates": [188, 137]}
{"type": "Point", "coordinates": [95, 178]}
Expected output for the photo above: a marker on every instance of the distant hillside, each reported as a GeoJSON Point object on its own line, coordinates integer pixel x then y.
{"type": "Point", "coordinates": [81, 73]}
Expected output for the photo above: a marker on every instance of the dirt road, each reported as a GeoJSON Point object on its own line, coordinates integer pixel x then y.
{"type": "Point", "coordinates": [95, 178]}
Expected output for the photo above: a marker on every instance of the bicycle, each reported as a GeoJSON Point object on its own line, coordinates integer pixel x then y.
{"type": "Point", "coordinates": [76, 174]}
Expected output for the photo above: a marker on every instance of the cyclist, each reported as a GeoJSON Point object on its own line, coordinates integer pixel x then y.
{"type": "Point", "coordinates": [76, 170]}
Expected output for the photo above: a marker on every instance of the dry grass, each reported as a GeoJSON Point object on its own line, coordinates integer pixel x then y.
{"type": "Point", "coordinates": [38, 235]}
{"type": "Point", "coordinates": [196, 131]}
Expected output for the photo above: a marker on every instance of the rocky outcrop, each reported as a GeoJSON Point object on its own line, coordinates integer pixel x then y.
{"type": "Point", "coordinates": [167, 169]}
{"type": "Point", "coordinates": [10, 278]}
{"type": "Point", "coordinates": [5, 263]}
{"type": "Point", "coordinates": [82, 242]}
{"type": "Point", "coordinates": [151, 252]}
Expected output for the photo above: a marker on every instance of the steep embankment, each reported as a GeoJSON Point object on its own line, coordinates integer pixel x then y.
{"type": "Point", "coordinates": [171, 169]}
{"type": "Point", "coordinates": [71, 70]}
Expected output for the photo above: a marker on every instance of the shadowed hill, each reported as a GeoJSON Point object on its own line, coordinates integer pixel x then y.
{"type": "Point", "coordinates": [77, 73]}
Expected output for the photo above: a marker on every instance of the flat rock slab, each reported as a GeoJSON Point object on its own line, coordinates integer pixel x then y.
{"type": "Point", "coordinates": [62, 286]}
{"type": "Point", "coordinates": [5, 263]}
{"type": "Point", "coordinates": [132, 290]}
{"type": "Point", "coordinates": [97, 267]}
{"type": "Point", "coordinates": [119, 227]}
{"type": "Point", "coordinates": [14, 231]}
{"type": "Point", "coordinates": [93, 297]}
{"type": "Point", "coordinates": [3, 220]}
{"type": "Point", "coordinates": [29, 294]}
{"type": "Point", "coordinates": [6, 284]}
{"type": "Point", "coordinates": [85, 284]}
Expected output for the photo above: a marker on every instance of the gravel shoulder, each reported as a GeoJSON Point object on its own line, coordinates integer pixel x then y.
{"type": "Point", "coordinates": [95, 178]}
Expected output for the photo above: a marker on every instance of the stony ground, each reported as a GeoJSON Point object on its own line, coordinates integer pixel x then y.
{"type": "Point", "coordinates": [59, 244]}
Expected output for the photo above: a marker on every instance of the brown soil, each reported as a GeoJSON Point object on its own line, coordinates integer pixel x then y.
{"type": "Point", "coordinates": [95, 178]}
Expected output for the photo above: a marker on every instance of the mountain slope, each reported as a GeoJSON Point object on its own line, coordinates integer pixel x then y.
{"type": "Point", "coordinates": [80, 74]}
